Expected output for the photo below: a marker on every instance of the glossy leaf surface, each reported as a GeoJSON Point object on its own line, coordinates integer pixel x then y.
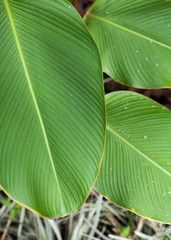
{"type": "Point", "coordinates": [136, 168]}
{"type": "Point", "coordinates": [52, 119]}
{"type": "Point", "coordinates": [134, 39]}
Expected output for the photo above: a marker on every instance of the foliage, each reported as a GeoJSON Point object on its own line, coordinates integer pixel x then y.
{"type": "Point", "coordinates": [53, 125]}
{"type": "Point", "coordinates": [137, 178]}
{"type": "Point", "coordinates": [131, 36]}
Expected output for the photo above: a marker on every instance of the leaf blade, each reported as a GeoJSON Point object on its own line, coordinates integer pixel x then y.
{"type": "Point", "coordinates": [135, 172]}
{"type": "Point", "coordinates": [132, 41]}
{"type": "Point", "coordinates": [53, 116]}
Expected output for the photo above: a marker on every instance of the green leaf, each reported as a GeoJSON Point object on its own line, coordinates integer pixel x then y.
{"type": "Point", "coordinates": [134, 39]}
{"type": "Point", "coordinates": [136, 168]}
{"type": "Point", "coordinates": [5, 202]}
{"type": "Point", "coordinates": [12, 214]}
{"type": "Point", "coordinates": [126, 231]}
{"type": "Point", "coordinates": [52, 120]}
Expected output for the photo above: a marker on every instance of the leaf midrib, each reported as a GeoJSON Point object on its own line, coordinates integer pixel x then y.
{"type": "Point", "coordinates": [138, 151]}
{"type": "Point", "coordinates": [128, 30]}
{"type": "Point", "coordinates": [6, 4]}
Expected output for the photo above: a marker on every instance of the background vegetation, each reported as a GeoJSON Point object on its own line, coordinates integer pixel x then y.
{"type": "Point", "coordinates": [98, 219]}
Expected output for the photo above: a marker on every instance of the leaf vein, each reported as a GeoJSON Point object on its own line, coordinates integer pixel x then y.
{"type": "Point", "coordinates": [6, 4]}
{"type": "Point", "coordinates": [138, 151]}
{"type": "Point", "coordinates": [128, 30]}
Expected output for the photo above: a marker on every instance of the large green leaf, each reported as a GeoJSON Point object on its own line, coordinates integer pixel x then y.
{"type": "Point", "coordinates": [52, 120]}
{"type": "Point", "coordinates": [134, 39]}
{"type": "Point", "coordinates": [136, 168]}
